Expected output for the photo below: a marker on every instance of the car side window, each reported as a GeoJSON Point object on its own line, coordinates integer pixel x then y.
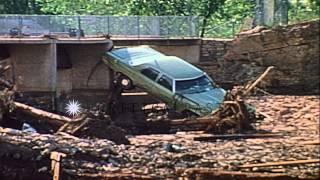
{"type": "Point", "coordinates": [150, 73]}
{"type": "Point", "coordinates": [166, 82]}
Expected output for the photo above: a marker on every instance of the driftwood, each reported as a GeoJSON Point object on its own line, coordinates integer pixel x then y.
{"type": "Point", "coordinates": [254, 84]}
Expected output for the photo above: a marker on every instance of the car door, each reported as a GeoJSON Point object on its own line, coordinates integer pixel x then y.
{"type": "Point", "coordinates": [149, 77]}
{"type": "Point", "coordinates": [165, 89]}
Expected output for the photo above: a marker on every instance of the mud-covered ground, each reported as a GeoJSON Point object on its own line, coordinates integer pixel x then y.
{"type": "Point", "coordinates": [294, 118]}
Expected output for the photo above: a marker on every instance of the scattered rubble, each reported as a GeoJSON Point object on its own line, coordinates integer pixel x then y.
{"type": "Point", "coordinates": [295, 153]}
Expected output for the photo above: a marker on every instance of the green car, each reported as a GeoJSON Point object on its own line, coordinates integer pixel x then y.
{"type": "Point", "coordinates": [183, 87]}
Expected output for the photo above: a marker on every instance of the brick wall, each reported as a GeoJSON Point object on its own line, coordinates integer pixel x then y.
{"type": "Point", "coordinates": [214, 49]}
{"type": "Point", "coordinates": [211, 56]}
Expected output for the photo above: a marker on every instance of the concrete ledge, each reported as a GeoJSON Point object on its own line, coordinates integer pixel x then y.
{"type": "Point", "coordinates": [43, 40]}
{"type": "Point", "coordinates": [25, 40]}
{"type": "Point", "coordinates": [155, 41]}
{"type": "Point", "coordinates": [83, 41]}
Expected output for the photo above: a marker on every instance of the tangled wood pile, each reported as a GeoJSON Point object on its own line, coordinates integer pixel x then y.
{"type": "Point", "coordinates": [90, 124]}
{"type": "Point", "coordinates": [233, 116]}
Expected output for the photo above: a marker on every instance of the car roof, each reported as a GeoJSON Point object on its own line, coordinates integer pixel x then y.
{"type": "Point", "coordinates": [172, 66]}
{"type": "Point", "coordinates": [133, 54]}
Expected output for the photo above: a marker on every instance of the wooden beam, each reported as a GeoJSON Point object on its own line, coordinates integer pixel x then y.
{"type": "Point", "coordinates": [209, 173]}
{"type": "Point", "coordinates": [315, 142]}
{"type": "Point", "coordinates": [55, 163]}
{"type": "Point", "coordinates": [281, 163]}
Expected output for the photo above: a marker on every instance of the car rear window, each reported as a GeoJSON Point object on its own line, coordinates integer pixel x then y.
{"type": "Point", "coordinates": [165, 82]}
{"type": "Point", "coordinates": [150, 73]}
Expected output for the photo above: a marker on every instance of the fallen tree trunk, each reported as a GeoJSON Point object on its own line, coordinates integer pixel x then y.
{"type": "Point", "coordinates": [41, 114]}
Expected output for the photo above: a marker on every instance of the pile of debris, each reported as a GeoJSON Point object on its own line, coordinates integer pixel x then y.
{"type": "Point", "coordinates": [290, 150]}
{"type": "Point", "coordinates": [91, 123]}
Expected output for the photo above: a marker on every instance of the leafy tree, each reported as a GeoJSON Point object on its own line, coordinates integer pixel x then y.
{"type": "Point", "coordinates": [19, 7]}
{"type": "Point", "coordinates": [84, 7]}
{"type": "Point", "coordinates": [301, 10]}
{"type": "Point", "coordinates": [218, 17]}
{"type": "Point", "coordinates": [203, 8]}
{"type": "Point", "coordinates": [229, 19]}
{"type": "Point", "coordinates": [160, 7]}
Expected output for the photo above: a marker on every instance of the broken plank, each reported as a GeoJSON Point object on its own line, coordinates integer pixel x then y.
{"type": "Point", "coordinates": [209, 173]}
{"type": "Point", "coordinates": [234, 136]}
{"type": "Point", "coordinates": [315, 142]}
{"type": "Point", "coordinates": [281, 163]}
{"type": "Point", "coordinates": [112, 175]}
{"type": "Point", "coordinates": [191, 121]}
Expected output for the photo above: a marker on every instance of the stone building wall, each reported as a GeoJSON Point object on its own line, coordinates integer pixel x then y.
{"type": "Point", "coordinates": [214, 49]}
{"type": "Point", "coordinates": [211, 56]}
{"type": "Point", "coordinates": [293, 50]}
{"type": "Point", "coordinates": [34, 68]}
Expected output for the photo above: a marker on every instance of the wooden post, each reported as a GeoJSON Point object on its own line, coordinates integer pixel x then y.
{"type": "Point", "coordinates": [55, 163]}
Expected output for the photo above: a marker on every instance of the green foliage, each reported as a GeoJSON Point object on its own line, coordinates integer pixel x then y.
{"type": "Point", "coordinates": [160, 7]}
{"type": "Point", "coordinates": [204, 8]}
{"type": "Point", "coordinates": [227, 21]}
{"type": "Point", "coordinates": [219, 18]}
{"type": "Point", "coordinates": [83, 7]}
{"type": "Point", "coordinates": [19, 7]}
{"type": "Point", "coordinates": [302, 10]}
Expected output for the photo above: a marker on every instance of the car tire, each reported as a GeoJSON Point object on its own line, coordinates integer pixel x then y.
{"type": "Point", "coordinates": [125, 82]}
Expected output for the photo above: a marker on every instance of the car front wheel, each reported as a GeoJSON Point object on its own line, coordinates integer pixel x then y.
{"type": "Point", "coordinates": [125, 82]}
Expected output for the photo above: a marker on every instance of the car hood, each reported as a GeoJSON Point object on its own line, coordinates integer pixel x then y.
{"type": "Point", "coordinates": [209, 100]}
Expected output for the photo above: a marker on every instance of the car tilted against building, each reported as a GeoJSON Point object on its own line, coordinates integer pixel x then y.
{"type": "Point", "coordinates": [182, 86]}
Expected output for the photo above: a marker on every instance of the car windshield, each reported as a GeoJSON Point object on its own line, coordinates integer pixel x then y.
{"type": "Point", "coordinates": [197, 85]}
